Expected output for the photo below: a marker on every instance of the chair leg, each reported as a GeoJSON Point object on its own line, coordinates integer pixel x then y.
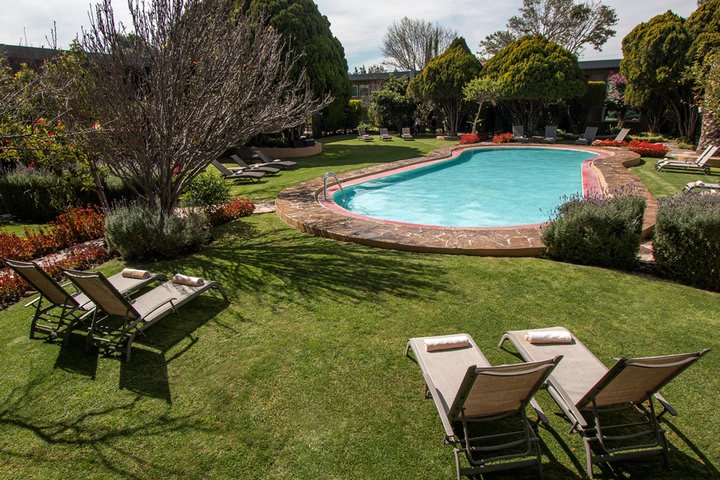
{"type": "Point", "coordinates": [588, 457]}
{"type": "Point", "coordinates": [128, 349]}
{"type": "Point", "coordinates": [457, 463]}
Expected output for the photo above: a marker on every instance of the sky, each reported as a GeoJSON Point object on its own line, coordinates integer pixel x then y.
{"type": "Point", "coordinates": [359, 26]}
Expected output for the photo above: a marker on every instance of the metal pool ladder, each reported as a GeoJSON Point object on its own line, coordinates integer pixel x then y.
{"type": "Point", "coordinates": [327, 176]}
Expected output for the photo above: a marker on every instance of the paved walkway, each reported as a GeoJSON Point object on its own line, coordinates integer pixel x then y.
{"type": "Point", "coordinates": [299, 207]}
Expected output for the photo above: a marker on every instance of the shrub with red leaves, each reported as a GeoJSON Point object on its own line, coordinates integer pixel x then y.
{"type": "Point", "coordinates": [469, 138]}
{"type": "Point", "coordinates": [240, 207]}
{"type": "Point", "coordinates": [647, 149]}
{"type": "Point", "coordinates": [609, 143]}
{"type": "Point", "coordinates": [503, 138]}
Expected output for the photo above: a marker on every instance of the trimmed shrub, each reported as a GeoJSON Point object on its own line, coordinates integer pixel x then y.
{"type": "Point", "coordinates": [609, 143]}
{"type": "Point", "coordinates": [240, 207]}
{"type": "Point", "coordinates": [687, 239]}
{"type": "Point", "coordinates": [602, 231]}
{"type": "Point", "coordinates": [502, 138]}
{"type": "Point", "coordinates": [647, 149]}
{"type": "Point", "coordinates": [140, 231]}
{"type": "Point", "coordinates": [469, 138]}
{"type": "Point", "coordinates": [207, 190]}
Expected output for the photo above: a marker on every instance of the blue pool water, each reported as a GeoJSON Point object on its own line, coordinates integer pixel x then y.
{"type": "Point", "coordinates": [480, 188]}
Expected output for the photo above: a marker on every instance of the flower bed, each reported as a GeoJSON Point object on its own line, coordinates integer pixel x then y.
{"type": "Point", "coordinates": [502, 138]}
{"type": "Point", "coordinates": [240, 207]}
{"type": "Point", "coordinates": [609, 143]}
{"type": "Point", "coordinates": [469, 138]}
{"type": "Point", "coordinates": [647, 149]}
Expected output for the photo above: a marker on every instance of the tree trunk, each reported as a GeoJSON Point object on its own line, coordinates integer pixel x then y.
{"type": "Point", "coordinates": [710, 130]}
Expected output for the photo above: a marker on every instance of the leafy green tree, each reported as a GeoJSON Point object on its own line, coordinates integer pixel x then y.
{"type": "Point", "coordinates": [579, 109]}
{"type": "Point", "coordinates": [565, 22]}
{"type": "Point", "coordinates": [391, 106]}
{"type": "Point", "coordinates": [533, 73]}
{"type": "Point", "coordinates": [442, 81]}
{"type": "Point", "coordinates": [655, 61]}
{"type": "Point", "coordinates": [353, 113]}
{"type": "Point", "coordinates": [322, 56]}
{"type": "Point", "coordinates": [481, 90]}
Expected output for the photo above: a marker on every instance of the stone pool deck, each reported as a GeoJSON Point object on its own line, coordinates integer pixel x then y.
{"type": "Point", "coordinates": [299, 207]}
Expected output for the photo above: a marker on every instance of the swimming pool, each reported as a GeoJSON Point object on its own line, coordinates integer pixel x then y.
{"type": "Point", "coordinates": [486, 187]}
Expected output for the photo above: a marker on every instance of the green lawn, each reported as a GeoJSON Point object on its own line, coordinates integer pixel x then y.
{"type": "Point", "coordinates": [302, 375]}
{"type": "Point", "coordinates": [664, 183]}
{"type": "Point", "coordinates": [340, 154]}
{"type": "Point", "coordinates": [19, 228]}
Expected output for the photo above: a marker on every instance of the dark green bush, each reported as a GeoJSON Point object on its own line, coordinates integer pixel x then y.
{"type": "Point", "coordinates": [207, 190]}
{"type": "Point", "coordinates": [596, 231]}
{"type": "Point", "coordinates": [687, 240]}
{"type": "Point", "coordinates": [38, 196]}
{"type": "Point", "coordinates": [139, 231]}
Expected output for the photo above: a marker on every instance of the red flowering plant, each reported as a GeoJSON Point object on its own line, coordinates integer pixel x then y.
{"type": "Point", "coordinates": [502, 138]}
{"type": "Point", "coordinates": [647, 149]}
{"type": "Point", "coordinates": [469, 138]}
{"type": "Point", "coordinates": [239, 207]}
{"type": "Point", "coordinates": [609, 143]}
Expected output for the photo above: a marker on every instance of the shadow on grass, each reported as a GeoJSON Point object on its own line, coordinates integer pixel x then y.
{"type": "Point", "coordinates": [245, 259]}
{"type": "Point", "coordinates": [96, 429]}
{"type": "Point", "coordinates": [74, 359]}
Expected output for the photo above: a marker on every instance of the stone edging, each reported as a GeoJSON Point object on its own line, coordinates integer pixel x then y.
{"type": "Point", "coordinates": [298, 206]}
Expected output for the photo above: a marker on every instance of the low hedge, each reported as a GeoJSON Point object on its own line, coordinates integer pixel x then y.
{"type": "Point", "coordinates": [687, 240]}
{"type": "Point", "coordinates": [602, 231]}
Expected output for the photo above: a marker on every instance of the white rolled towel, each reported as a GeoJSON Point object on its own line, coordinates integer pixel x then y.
{"type": "Point", "coordinates": [559, 335]}
{"type": "Point", "coordinates": [447, 343]}
{"type": "Point", "coordinates": [135, 273]}
{"type": "Point", "coordinates": [187, 280]}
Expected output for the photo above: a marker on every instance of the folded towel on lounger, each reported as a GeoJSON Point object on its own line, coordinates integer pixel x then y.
{"type": "Point", "coordinates": [187, 280]}
{"type": "Point", "coordinates": [446, 343]}
{"type": "Point", "coordinates": [134, 273]}
{"type": "Point", "coordinates": [549, 336]}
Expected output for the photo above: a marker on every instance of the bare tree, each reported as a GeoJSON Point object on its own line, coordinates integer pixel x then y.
{"type": "Point", "coordinates": [565, 22]}
{"type": "Point", "coordinates": [410, 44]}
{"type": "Point", "coordinates": [193, 78]}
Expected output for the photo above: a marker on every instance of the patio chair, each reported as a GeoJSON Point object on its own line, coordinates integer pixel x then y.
{"type": "Point", "coordinates": [406, 135]}
{"type": "Point", "coordinates": [550, 134]}
{"type": "Point", "coordinates": [588, 136]}
{"type": "Point", "coordinates": [702, 186]}
{"type": "Point", "coordinates": [117, 320]}
{"type": "Point", "coordinates": [482, 408]}
{"type": "Point", "coordinates": [384, 135]}
{"type": "Point", "coordinates": [697, 165]}
{"type": "Point", "coordinates": [598, 401]}
{"type": "Point", "coordinates": [230, 175]}
{"type": "Point", "coordinates": [59, 312]}
{"type": "Point", "coordinates": [622, 134]}
{"type": "Point", "coordinates": [244, 167]}
{"type": "Point", "coordinates": [519, 134]}
{"type": "Point", "coordinates": [362, 135]}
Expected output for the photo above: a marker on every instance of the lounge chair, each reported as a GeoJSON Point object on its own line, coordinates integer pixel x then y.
{"type": "Point", "coordinates": [244, 167]}
{"type": "Point", "coordinates": [550, 134]}
{"type": "Point", "coordinates": [588, 136]}
{"type": "Point", "coordinates": [697, 165]}
{"type": "Point", "coordinates": [57, 311]}
{"type": "Point", "coordinates": [469, 394]}
{"type": "Point", "coordinates": [230, 175]}
{"type": "Point", "coordinates": [621, 135]}
{"type": "Point", "coordinates": [384, 135]}
{"type": "Point", "coordinates": [702, 186]}
{"type": "Point", "coordinates": [362, 135]}
{"type": "Point", "coordinates": [406, 135]}
{"type": "Point", "coordinates": [271, 162]}
{"type": "Point", "coordinates": [591, 396]}
{"type": "Point", "coordinates": [519, 134]}
{"type": "Point", "coordinates": [117, 321]}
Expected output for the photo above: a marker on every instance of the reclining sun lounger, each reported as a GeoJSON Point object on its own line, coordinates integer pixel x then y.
{"type": "Point", "coordinates": [519, 134]}
{"type": "Point", "coordinates": [406, 135]}
{"type": "Point", "coordinates": [471, 397]}
{"type": "Point", "coordinates": [73, 307]}
{"type": "Point", "coordinates": [384, 135]}
{"type": "Point", "coordinates": [593, 396]}
{"type": "Point", "coordinates": [699, 164]}
{"type": "Point", "coordinates": [588, 136]}
{"type": "Point", "coordinates": [621, 135]}
{"type": "Point", "coordinates": [258, 158]}
{"type": "Point", "coordinates": [362, 135]}
{"type": "Point", "coordinates": [230, 175]}
{"type": "Point", "coordinates": [550, 134]}
{"type": "Point", "coordinates": [116, 320]}
{"type": "Point", "coordinates": [702, 186]}
{"type": "Point", "coordinates": [244, 167]}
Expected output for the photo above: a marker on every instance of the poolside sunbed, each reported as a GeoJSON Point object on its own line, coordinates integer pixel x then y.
{"type": "Point", "coordinates": [384, 135]}
{"type": "Point", "coordinates": [519, 135]}
{"type": "Point", "coordinates": [57, 311]}
{"type": "Point", "coordinates": [258, 158]}
{"type": "Point", "coordinates": [550, 134]}
{"type": "Point", "coordinates": [597, 400]}
{"type": "Point", "coordinates": [240, 175]}
{"type": "Point", "coordinates": [621, 135]}
{"type": "Point", "coordinates": [245, 167]}
{"type": "Point", "coordinates": [699, 164]}
{"type": "Point", "coordinates": [588, 136]}
{"type": "Point", "coordinates": [475, 400]}
{"type": "Point", "coordinates": [362, 135]}
{"type": "Point", "coordinates": [116, 321]}
{"type": "Point", "coordinates": [702, 186]}
{"type": "Point", "coordinates": [406, 135]}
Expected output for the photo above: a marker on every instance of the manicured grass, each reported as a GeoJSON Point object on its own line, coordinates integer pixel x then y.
{"type": "Point", "coordinates": [340, 154]}
{"type": "Point", "coordinates": [664, 183]}
{"type": "Point", "coordinates": [302, 375]}
{"type": "Point", "coordinates": [19, 228]}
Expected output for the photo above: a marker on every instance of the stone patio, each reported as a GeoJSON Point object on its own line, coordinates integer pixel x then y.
{"type": "Point", "coordinates": [299, 207]}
